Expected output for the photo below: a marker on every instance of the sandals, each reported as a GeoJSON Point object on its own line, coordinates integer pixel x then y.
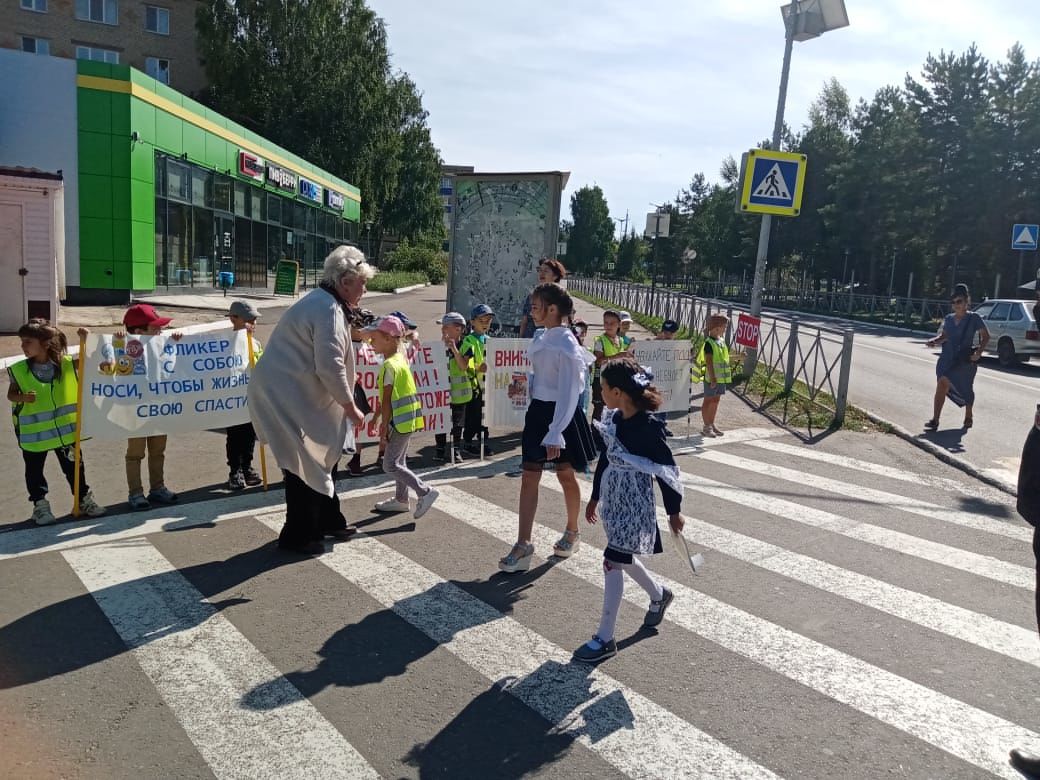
{"type": "Point", "coordinates": [568, 544]}
{"type": "Point", "coordinates": [931, 425]}
{"type": "Point", "coordinates": [519, 558]}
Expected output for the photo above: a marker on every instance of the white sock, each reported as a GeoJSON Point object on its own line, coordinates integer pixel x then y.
{"type": "Point", "coordinates": [613, 588]}
{"type": "Point", "coordinates": [637, 571]}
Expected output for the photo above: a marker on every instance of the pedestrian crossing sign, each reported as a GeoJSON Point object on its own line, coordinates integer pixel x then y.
{"type": "Point", "coordinates": [1024, 237]}
{"type": "Point", "coordinates": [772, 183]}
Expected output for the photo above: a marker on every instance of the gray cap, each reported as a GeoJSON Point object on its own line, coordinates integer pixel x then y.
{"type": "Point", "coordinates": [625, 316]}
{"type": "Point", "coordinates": [452, 318]}
{"type": "Point", "coordinates": [244, 309]}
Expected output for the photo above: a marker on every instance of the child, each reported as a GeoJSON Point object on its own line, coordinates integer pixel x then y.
{"type": "Point", "coordinates": [474, 347]}
{"type": "Point", "coordinates": [714, 356]}
{"type": "Point", "coordinates": [580, 328]}
{"type": "Point", "coordinates": [411, 329]}
{"type": "Point", "coordinates": [636, 453]}
{"type": "Point", "coordinates": [400, 415]}
{"type": "Point", "coordinates": [668, 330]}
{"type": "Point", "coordinates": [461, 377]}
{"type": "Point", "coordinates": [554, 431]}
{"type": "Point", "coordinates": [358, 319]}
{"type": "Point", "coordinates": [610, 344]}
{"type": "Point", "coordinates": [623, 328]}
{"type": "Point", "coordinates": [43, 395]}
{"type": "Point", "coordinates": [142, 320]}
{"type": "Point", "coordinates": [241, 439]}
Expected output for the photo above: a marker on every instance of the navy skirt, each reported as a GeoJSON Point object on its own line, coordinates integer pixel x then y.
{"type": "Point", "coordinates": [578, 447]}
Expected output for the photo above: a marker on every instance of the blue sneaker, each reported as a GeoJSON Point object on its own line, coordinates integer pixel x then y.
{"type": "Point", "coordinates": [163, 495]}
{"type": "Point", "coordinates": [138, 503]}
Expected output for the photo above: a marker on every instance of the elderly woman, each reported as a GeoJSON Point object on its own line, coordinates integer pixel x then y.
{"type": "Point", "coordinates": [550, 271]}
{"type": "Point", "coordinates": [958, 362]}
{"type": "Point", "coordinates": [301, 400]}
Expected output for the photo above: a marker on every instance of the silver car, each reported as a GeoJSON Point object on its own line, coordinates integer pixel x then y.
{"type": "Point", "coordinates": [1013, 334]}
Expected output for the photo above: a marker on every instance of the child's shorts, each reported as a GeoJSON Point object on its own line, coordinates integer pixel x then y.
{"type": "Point", "coordinates": [714, 392]}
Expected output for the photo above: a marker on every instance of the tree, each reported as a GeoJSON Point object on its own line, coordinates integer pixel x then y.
{"type": "Point", "coordinates": [589, 246]}
{"type": "Point", "coordinates": [321, 83]}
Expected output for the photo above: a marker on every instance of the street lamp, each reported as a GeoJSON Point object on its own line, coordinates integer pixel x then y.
{"type": "Point", "coordinates": [803, 19]}
{"type": "Point", "coordinates": [656, 228]}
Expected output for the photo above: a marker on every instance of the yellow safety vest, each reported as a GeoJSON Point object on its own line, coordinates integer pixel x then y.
{"type": "Point", "coordinates": [475, 344]}
{"type": "Point", "coordinates": [719, 361]}
{"type": "Point", "coordinates": [460, 381]}
{"type": "Point", "coordinates": [609, 349]}
{"type": "Point", "coordinates": [50, 422]}
{"type": "Point", "coordinates": [405, 410]}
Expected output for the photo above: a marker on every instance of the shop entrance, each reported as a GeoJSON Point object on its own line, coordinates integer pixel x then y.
{"type": "Point", "coordinates": [12, 288]}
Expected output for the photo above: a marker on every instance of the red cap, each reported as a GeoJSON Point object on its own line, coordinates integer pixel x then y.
{"type": "Point", "coordinates": [142, 315]}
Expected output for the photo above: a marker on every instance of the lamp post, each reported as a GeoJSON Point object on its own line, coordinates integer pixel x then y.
{"type": "Point", "coordinates": [803, 19]}
{"type": "Point", "coordinates": [656, 228]}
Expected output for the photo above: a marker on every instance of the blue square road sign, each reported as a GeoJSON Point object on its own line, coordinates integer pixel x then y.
{"type": "Point", "coordinates": [1025, 237]}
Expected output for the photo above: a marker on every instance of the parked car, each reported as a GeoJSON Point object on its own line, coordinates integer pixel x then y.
{"type": "Point", "coordinates": [1013, 333]}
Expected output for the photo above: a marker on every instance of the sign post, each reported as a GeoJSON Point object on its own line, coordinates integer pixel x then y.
{"type": "Point", "coordinates": [1024, 239]}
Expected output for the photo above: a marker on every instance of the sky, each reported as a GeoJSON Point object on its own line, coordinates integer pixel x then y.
{"type": "Point", "coordinates": [637, 99]}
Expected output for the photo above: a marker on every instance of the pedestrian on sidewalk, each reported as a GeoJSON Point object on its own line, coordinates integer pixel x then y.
{"type": "Point", "coordinates": [718, 373]}
{"type": "Point", "coordinates": [400, 417]}
{"type": "Point", "coordinates": [474, 348]}
{"type": "Point", "coordinates": [301, 400]}
{"type": "Point", "coordinates": [241, 439]}
{"type": "Point", "coordinates": [624, 327]}
{"type": "Point", "coordinates": [44, 392]}
{"type": "Point", "coordinates": [608, 344]}
{"type": "Point", "coordinates": [550, 271]}
{"type": "Point", "coordinates": [554, 432]}
{"type": "Point", "coordinates": [461, 378]}
{"type": "Point", "coordinates": [636, 454]}
{"type": "Point", "coordinates": [959, 360]}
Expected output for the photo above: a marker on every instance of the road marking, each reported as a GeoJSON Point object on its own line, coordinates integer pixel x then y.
{"type": "Point", "coordinates": [203, 667]}
{"type": "Point", "coordinates": [964, 731]}
{"type": "Point", "coordinates": [680, 445]}
{"type": "Point", "coordinates": [975, 563]}
{"type": "Point", "coordinates": [864, 495]}
{"type": "Point", "coordinates": [635, 735]}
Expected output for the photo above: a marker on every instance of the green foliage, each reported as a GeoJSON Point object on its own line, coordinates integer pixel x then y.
{"type": "Point", "coordinates": [388, 281]}
{"type": "Point", "coordinates": [590, 237]}
{"type": "Point", "coordinates": [315, 76]}
{"type": "Point", "coordinates": [419, 259]}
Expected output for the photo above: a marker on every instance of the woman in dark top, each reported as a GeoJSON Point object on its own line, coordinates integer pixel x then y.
{"type": "Point", "coordinates": [958, 362]}
{"type": "Point", "coordinates": [550, 271]}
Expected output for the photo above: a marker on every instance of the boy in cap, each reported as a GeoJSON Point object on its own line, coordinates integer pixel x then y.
{"type": "Point", "coordinates": [241, 439]}
{"type": "Point", "coordinates": [668, 330]}
{"type": "Point", "coordinates": [626, 324]}
{"type": "Point", "coordinates": [143, 320]}
{"type": "Point", "coordinates": [411, 329]}
{"type": "Point", "coordinates": [474, 347]}
{"type": "Point", "coordinates": [462, 379]}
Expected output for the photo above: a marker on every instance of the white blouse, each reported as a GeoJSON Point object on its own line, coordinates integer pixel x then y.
{"type": "Point", "coordinates": [558, 367]}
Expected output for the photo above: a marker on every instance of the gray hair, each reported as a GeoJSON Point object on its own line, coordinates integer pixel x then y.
{"type": "Point", "coordinates": [346, 261]}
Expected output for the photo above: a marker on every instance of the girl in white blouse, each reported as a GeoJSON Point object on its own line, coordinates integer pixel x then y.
{"type": "Point", "coordinates": [554, 431]}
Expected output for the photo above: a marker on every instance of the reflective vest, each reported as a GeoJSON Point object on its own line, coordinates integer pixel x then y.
{"type": "Point", "coordinates": [719, 361]}
{"type": "Point", "coordinates": [476, 346]}
{"type": "Point", "coordinates": [405, 410]}
{"type": "Point", "coordinates": [461, 381]}
{"type": "Point", "coordinates": [608, 348]}
{"type": "Point", "coordinates": [50, 422]}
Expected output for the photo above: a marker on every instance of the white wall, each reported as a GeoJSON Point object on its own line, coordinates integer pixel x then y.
{"type": "Point", "coordinates": [39, 244]}
{"type": "Point", "coordinates": [38, 130]}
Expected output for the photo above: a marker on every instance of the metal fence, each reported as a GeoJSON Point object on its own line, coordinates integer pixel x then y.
{"type": "Point", "coordinates": [799, 368]}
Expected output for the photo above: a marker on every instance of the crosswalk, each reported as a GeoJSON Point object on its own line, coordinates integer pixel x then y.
{"type": "Point", "coordinates": [854, 619]}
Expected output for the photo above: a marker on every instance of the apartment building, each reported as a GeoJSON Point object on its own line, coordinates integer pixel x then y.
{"type": "Point", "coordinates": [157, 37]}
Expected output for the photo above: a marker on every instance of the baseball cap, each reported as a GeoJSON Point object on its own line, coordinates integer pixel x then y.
{"type": "Point", "coordinates": [625, 316]}
{"type": "Point", "coordinates": [452, 318]}
{"type": "Point", "coordinates": [408, 324]}
{"type": "Point", "coordinates": [480, 310]}
{"type": "Point", "coordinates": [143, 315]}
{"type": "Point", "coordinates": [391, 326]}
{"type": "Point", "coordinates": [670, 326]}
{"type": "Point", "coordinates": [243, 309]}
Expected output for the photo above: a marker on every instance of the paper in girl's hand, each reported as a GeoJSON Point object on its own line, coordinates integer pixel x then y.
{"type": "Point", "coordinates": [696, 560]}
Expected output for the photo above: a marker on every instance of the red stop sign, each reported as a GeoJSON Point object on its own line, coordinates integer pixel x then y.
{"type": "Point", "coordinates": [747, 330]}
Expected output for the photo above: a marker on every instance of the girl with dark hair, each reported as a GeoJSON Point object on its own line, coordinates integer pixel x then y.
{"type": "Point", "coordinates": [553, 430]}
{"type": "Point", "coordinates": [958, 362]}
{"type": "Point", "coordinates": [550, 271]}
{"type": "Point", "coordinates": [636, 454]}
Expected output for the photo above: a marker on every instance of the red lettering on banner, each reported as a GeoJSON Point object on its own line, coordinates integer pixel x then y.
{"type": "Point", "coordinates": [510, 359]}
{"type": "Point", "coordinates": [748, 328]}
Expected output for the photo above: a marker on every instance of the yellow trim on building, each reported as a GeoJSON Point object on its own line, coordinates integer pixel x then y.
{"type": "Point", "coordinates": [142, 93]}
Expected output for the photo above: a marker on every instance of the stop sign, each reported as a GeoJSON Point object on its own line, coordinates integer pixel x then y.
{"type": "Point", "coordinates": [747, 331]}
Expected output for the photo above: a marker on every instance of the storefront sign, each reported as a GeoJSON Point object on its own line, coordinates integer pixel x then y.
{"type": "Point", "coordinates": [429, 367]}
{"type": "Point", "coordinates": [310, 190]}
{"type": "Point", "coordinates": [149, 385]}
{"type": "Point", "coordinates": [250, 165]}
{"type": "Point", "coordinates": [334, 200]}
{"type": "Point", "coordinates": [506, 386]}
{"type": "Point", "coordinates": [670, 363]}
{"type": "Point", "coordinates": [281, 178]}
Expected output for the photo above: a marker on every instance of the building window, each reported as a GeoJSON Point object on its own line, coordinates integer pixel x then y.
{"type": "Point", "coordinates": [157, 20]}
{"type": "Point", "coordinates": [104, 11]}
{"type": "Point", "coordinates": [97, 54]}
{"type": "Point", "coordinates": [36, 45]}
{"type": "Point", "coordinates": [158, 69]}
{"type": "Point", "coordinates": [39, 6]}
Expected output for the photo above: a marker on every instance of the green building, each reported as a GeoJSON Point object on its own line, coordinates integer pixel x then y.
{"type": "Point", "coordinates": [160, 191]}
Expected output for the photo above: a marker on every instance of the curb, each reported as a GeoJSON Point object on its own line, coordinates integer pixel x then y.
{"type": "Point", "coordinates": [941, 454]}
{"type": "Point", "coordinates": [399, 290]}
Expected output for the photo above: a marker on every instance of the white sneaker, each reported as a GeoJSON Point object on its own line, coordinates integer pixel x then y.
{"type": "Point", "coordinates": [42, 514]}
{"type": "Point", "coordinates": [422, 506]}
{"type": "Point", "coordinates": [392, 505]}
{"type": "Point", "coordinates": [708, 432]}
{"type": "Point", "coordinates": [89, 507]}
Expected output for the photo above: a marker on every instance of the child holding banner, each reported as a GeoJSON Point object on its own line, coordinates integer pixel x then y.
{"type": "Point", "coordinates": [714, 357]}
{"type": "Point", "coordinates": [43, 395]}
{"type": "Point", "coordinates": [241, 439]}
{"type": "Point", "coordinates": [401, 416]}
{"type": "Point", "coordinates": [636, 454]}
{"type": "Point", "coordinates": [474, 347]}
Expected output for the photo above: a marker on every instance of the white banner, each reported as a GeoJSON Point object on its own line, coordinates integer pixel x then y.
{"type": "Point", "coordinates": [670, 361]}
{"type": "Point", "coordinates": [506, 393]}
{"type": "Point", "coordinates": [429, 367]}
{"type": "Point", "coordinates": [148, 385]}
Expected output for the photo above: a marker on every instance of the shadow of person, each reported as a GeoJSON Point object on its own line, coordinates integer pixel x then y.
{"type": "Point", "coordinates": [950, 439]}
